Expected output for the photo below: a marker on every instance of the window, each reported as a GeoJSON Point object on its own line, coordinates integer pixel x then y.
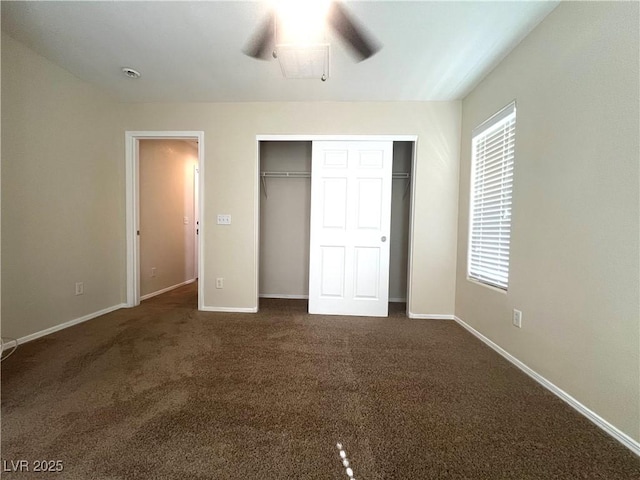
{"type": "Point", "coordinates": [492, 159]}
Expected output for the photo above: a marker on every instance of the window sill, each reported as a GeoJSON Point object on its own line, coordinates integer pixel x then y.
{"type": "Point", "coordinates": [486, 285]}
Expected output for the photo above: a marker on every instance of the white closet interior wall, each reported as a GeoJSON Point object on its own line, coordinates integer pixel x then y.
{"type": "Point", "coordinates": [285, 207]}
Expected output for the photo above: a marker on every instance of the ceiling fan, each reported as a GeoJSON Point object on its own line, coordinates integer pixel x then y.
{"type": "Point", "coordinates": [362, 45]}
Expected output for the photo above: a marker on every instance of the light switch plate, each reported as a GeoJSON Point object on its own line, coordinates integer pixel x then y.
{"type": "Point", "coordinates": [224, 219]}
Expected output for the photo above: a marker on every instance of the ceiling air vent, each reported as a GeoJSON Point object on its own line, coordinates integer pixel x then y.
{"type": "Point", "coordinates": [304, 61]}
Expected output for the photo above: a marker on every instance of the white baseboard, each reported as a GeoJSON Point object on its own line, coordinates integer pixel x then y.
{"type": "Point", "coordinates": [278, 295]}
{"type": "Point", "coordinates": [229, 309]}
{"type": "Point", "coordinates": [165, 290]}
{"type": "Point", "coordinates": [616, 433]}
{"type": "Point", "coordinates": [12, 343]}
{"type": "Point", "coordinates": [398, 300]}
{"type": "Point", "coordinates": [425, 316]}
{"type": "Point", "coordinates": [68, 324]}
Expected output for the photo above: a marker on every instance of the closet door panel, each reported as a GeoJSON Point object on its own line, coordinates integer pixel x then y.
{"type": "Point", "coordinates": [350, 213]}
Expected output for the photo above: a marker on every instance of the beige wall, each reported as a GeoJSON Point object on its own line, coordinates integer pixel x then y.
{"type": "Point", "coordinates": [0, 187]}
{"type": "Point", "coordinates": [231, 182]}
{"type": "Point", "coordinates": [62, 196]}
{"type": "Point", "coordinates": [167, 243]}
{"type": "Point", "coordinates": [575, 240]}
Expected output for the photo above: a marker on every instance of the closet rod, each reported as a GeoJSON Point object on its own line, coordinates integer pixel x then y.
{"type": "Point", "coordinates": [264, 175]}
{"type": "Point", "coordinates": [286, 174]}
{"type": "Point", "coordinates": [308, 174]}
{"type": "Point", "coordinates": [403, 176]}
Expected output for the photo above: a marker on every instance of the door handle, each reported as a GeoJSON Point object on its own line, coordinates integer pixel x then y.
{"type": "Point", "coordinates": [384, 239]}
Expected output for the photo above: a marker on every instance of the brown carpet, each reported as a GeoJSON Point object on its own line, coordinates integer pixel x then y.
{"type": "Point", "coordinates": [164, 391]}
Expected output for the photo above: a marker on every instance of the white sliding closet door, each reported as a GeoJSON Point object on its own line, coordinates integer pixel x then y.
{"type": "Point", "coordinates": [350, 223]}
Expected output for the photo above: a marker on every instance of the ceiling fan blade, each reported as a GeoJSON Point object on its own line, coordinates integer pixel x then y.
{"type": "Point", "coordinates": [344, 25]}
{"type": "Point", "coordinates": [262, 44]}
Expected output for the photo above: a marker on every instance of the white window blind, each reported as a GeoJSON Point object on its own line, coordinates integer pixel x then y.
{"type": "Point", "coordinates": [493, 148]}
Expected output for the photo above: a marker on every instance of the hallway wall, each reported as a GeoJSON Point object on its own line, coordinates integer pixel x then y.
{"type": "Point", "coordinates": [167, 214]}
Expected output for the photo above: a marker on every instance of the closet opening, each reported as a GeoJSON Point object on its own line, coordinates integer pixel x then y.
{"type": "Point", "coordinates": [284, 220]}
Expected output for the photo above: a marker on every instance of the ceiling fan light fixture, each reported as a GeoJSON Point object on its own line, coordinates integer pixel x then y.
{"type": "Point", "coordinates": [297, 22]}
{"type": "Point", "coordinates": [301, 22]}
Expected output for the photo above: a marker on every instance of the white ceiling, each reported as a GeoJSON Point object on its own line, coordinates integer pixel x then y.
{"type": "Point", "coordinates": [191, 51]}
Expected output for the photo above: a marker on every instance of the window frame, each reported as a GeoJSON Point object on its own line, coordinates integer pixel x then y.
{"type": "Point", "coordinates": [496, 273]}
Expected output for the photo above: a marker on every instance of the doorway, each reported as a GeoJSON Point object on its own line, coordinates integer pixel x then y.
{"type": "Point", "coordinates": [168, 221]}
{"type": "Point", "coordinates": [284, 193]}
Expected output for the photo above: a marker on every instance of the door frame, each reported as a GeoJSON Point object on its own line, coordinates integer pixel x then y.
{"type": "Point", "coordinates": [311, 138]}
{"type": "Point", "coordinates": [196, 218]}
{"type": "Point", "coordinates": [132, 206]}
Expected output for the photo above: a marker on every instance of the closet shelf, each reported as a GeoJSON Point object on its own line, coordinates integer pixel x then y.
{"type": "Point", "coordinates": [265, 175]}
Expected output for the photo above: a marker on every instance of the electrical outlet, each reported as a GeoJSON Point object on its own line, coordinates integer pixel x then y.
{"type": "Point", "coordinates": [186, 220]}
{"type": "Point", "coordinates": [79, 288]}
{"type": "Point", "coordinates": [219, 282]}
{"type": "Point", "coordinates": [153, 271]}
{"type": "Point", "coordinates": [517, 318]}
